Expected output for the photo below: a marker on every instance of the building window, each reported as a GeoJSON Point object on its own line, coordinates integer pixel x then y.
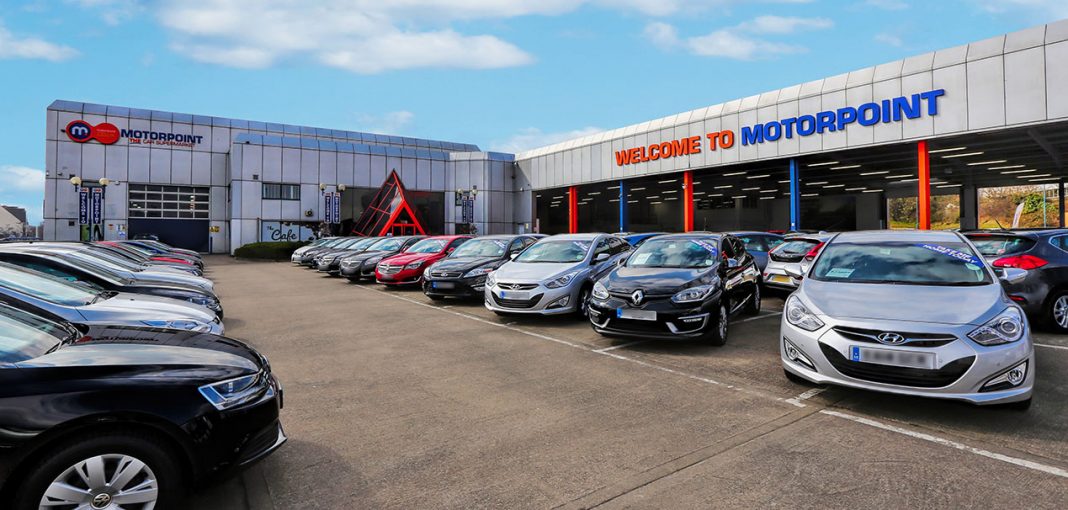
{"type": "Point", "coordinates": [281, 191]}
{"type": "Point", "coordinates": [173, 202]}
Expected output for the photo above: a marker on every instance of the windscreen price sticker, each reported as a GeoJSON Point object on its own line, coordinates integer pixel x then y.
{"type": "Point", "coordinates": [711, 248]}
{"type": "Point", "coordinates": [950, 252]}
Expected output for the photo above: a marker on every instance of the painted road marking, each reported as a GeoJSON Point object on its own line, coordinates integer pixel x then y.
{"type": "Point", "coordinates": [1056, 471]}
{"type": "Point", "coordinates": [795, 401]}
{"type": "Point", "coordinates": [620, 346]}
{"type": "Point", "coordinates": [775, 314]}
{"type": "Point", "coordinates": [1062, 347]}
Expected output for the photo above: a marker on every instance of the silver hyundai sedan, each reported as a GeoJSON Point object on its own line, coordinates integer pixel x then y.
{"type": "Point", "coordinates": [908, 312]}
{"type": "Point", "coordinates": [554, 275]}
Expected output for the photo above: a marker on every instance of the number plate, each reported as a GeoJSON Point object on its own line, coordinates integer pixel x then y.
{"type": "Point", "coordinates": [909, 359]}
{"type": "Point", "coordinates": [639, 315]}
{"type": "Point", "coordinates": [443, 285]}
{"type": "Point", "coordinates": [511, 294]}
{"type": "Point", "coordinates": [778, 278]}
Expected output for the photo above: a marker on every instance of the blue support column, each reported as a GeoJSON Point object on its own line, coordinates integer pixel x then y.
{"type": "Point", "coordinates": [795, 196]}
{"type": "Point", "coordinates": [623, 219]}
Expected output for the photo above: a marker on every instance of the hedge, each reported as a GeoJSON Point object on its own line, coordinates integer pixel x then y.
{"type": "Point", "coordinates": [268, 250]}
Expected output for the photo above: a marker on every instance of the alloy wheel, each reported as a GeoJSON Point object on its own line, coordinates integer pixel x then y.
{"type": "Point", "coordinates": [723, 317]}
{"type": "Point", "coordinates": [584, 303]}
{"type": "Point", "coordinates": [111, 482]}
{"type": "Point", "coordinates": [1060, 311]}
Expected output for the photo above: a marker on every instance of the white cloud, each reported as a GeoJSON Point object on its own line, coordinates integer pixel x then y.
{"type": "Point", "coordinates": [112, 12]}
{"type": "Point", "coordinates": [889, 39]}
{"type": "Point", "coordinates": [1048, 9]}
{"type": "Point", "coordinates": [392, 123]}
{"type": "Point", "coordinates": [12, 46]}
{"type": "Point", "coordinates": [533, 138]}
{"type": "Point", "coordinates": [888, 5]}
{"type": "Point", "coordinates": [738, 42]}
{"type": "Point", "coordinates": [21, 178]}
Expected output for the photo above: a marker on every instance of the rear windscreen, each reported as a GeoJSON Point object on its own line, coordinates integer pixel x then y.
{"type": "Point", "coordinates": [996, 246]}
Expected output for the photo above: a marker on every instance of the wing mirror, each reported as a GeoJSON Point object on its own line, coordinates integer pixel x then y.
{"type": "Point", "coordinates": [600, 257]}
{"type": "Point", "coordinates": [796, 273]}
{"type": "Point", "coordinates": [513, 255]}
{"type": "Point", "coordinates": [1012, 274]}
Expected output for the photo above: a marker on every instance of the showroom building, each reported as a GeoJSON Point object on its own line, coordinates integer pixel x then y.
{"type": "Point", "coordinates": [827, 154]}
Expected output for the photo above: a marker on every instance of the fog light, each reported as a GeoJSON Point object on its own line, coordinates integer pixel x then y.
{"type": "Point", "coordinates": [1015, 376]}
{"type": "Point", "coordinates": [692, 320]}
{"type": "Point", "coordinates": [794, 354]}
{"type": "Point", "coordinates": [560, 303]}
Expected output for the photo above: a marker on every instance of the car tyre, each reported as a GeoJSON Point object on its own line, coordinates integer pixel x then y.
{"type": "Point", "coordinates": [582, 308]}
{"type": "Point", "coordinates": [718, 335]}
{"type": "Point", "coordinates": [752, 307]}
{"type": "Point", "coordinates": [115, 449]}
{"type": "Point", "coordinates": [1057, 312]}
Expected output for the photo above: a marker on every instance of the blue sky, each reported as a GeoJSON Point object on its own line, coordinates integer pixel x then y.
{"type": "Point", "coordinates": [504, 74]}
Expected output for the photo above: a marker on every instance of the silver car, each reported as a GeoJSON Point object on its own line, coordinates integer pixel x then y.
{"type": "Point", "coordinates": [554, 275]}
{"type": "Point", "coordinates": [909, 312]}
{"type": "Point", "coordinates": [789, 256]}
{"type": "Point", "coordinates": [78, 303]}
{"type": "Point", "coordinates": [93, 255]}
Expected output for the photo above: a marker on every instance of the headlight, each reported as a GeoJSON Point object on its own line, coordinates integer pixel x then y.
{"type": "Point", "coordinates": [186, 324]}
{"type": "Point", "coordinates": [478, 271]}
{"type": "Point", "coordinates": [561, 281]}
{"type": "Point", "coordinates": [234, 392]}
{"type": "Point", "coordinates": [599, 291]}
{"type": "Point", "coordinates": [799, 316]}
{"type": "Point", "coordinates": [414, 265]}
{"type": "Point", "coordinates": [491, 279]}
{"type": "Point", "coordinates": [693, 294]}
{"type": "Point", "coordinates": [1005, 328]}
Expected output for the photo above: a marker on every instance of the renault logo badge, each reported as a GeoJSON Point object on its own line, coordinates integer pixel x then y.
{"type": "Point", "coordinates": [637, 297]}
{"type": "Point", "coordinates": [890, 339]}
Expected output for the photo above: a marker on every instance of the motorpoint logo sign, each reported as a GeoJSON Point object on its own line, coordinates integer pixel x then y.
{"type": "Point", "coordinates": [81, 131]}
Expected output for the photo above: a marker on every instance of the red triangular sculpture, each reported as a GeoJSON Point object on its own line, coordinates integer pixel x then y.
{"type": "Point", "coordinates": [386, 209]}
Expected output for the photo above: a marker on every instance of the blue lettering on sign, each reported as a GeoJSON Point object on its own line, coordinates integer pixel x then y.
{"type": "Point", "coordinates": [867, 114]}
{"type": "Point", "coordinates": [709, 247]}
{"type": "Point", "coordinates": [950, 252]}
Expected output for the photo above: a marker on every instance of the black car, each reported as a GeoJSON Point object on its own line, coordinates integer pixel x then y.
{"type": "Point", "coordinates": [100, 277]}
{"type": "Point", "coordinates": [1043, 293]}
{"type": "Point", "coordinates": [307, 259]}
{"type": "Point", "coordinates": [123, 417]}
{"type": "Point", "coordinates": [329, 261]}
{"type": "Point", "coordinates": [362, 265]}
{"type": "Point", "coordinates": [678, 286]}
{"type": "Point", "coordinates": [463, 273]}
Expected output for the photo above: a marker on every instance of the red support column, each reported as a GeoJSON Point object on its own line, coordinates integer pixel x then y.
{"type": "Point", "coordinates": [687, 201]}
{"type": "Point", "coordinates": [572, 209]}
{"type": "Point", "coordinates": [924, 185]}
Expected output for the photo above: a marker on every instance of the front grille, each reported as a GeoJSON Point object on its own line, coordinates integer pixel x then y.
{"type": "Point", "coordinates": [900, 376]}
{"type": "Point", "coordinates": [911, 339]}
{"type": "Point", "coordinates": [636, 326]}
{"type": "Point", "coordinates": [516, 303]}
{"type": "Point", "coordinates": [389, 269]}
{"type": "Point", "coordinates": [517, 286]}
{"type": "Point", "coordinates": [446, 274]}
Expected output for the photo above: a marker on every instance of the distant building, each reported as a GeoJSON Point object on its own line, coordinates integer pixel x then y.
{"type": "Point", "coordinates": [12, 221]}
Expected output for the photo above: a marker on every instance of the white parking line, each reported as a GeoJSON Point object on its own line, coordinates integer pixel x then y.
{"type": "Point", "coordinates": [620, 346]}
{"type": "Point", "coordinates": [1056, 471]}
{"type": "Point", "coordinates": [806, 395]}
{"type": "Point", "coordinates": [1061, 347]}
{"type": "Point", "coordinates": [774, 314]}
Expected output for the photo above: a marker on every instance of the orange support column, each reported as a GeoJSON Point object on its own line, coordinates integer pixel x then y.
{"type": "Point", "coordinates": [924, 184]}
{"type": "Point", "coordinates": [572, 209]}
{"type": "Point", "coordinates": [687, 201]}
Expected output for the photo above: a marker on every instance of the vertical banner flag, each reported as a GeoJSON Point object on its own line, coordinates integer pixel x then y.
{"type": "Point", "coordinates": [337, 207]}
{"type": "Point", "coordinates": [329, 211]}
{"type": "Point", "coordinates": [469, 210]}
{"type": "Point", "coordinates": [97, 209]}
{"type": "Point", "coordinates": [83, 206]}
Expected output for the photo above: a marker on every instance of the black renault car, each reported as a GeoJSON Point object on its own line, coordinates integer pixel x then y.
{"type": "Point", "coordinates": [1043, 293]}
{"type": "Point", "coordinates": [463, 273]}
{"type": "Point", "coordinates": [678, 286]}
{"type": "Point", "coordinates": [362, 265]}
{"type": "Point", "coordinates": [100, 277]}
{"type": "Point", "coordinates": [102, 417]}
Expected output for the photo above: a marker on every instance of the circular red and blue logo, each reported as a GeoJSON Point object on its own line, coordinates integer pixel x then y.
{"type": "Point", "coordinates": [81, 131]}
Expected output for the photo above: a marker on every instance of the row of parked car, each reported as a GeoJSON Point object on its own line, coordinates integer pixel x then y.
{"type": "Point", "coordinates": [942, 314]}
{"type": "Point", "coordinates": [117, 388]}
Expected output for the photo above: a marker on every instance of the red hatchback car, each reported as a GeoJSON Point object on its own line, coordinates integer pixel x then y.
{"type": "Point", "coordinates": [407, 268]}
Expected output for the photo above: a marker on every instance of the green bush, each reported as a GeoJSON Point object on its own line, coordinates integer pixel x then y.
{"type": "Point", "coordinates": [268, 250]}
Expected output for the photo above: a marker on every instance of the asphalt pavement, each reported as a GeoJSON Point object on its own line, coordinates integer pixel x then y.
{"type": "Point", "coordinates": [396, 401]}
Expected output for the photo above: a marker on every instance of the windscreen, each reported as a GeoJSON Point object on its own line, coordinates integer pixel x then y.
{"type": "Point", "coordinates": [481, 248]}
{"type": "Point", "coordinates": [25, 336]}
{"type": "Point", "coordinates": [388, 244]}
{"type": "Point", "coordinates": [428, 246]}
{"type": "Point", "coordinates": [363, 244]}
{"type": "Point", "coordinates": [44, 287]}
{"type": "Point", "coordinates": [679, 253]}
{"type": "Point", "coordinates": [792, 249]}
{"type": "Point", "coordinates": [908, 263]}
{"type": "Point", "coordinates": [996, 246]}
{"type": "Point", "coordinates": [559, 251]}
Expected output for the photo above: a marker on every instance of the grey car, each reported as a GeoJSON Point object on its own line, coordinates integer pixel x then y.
{"type": "Point", "coordinates": [94, 255]}
{"type": "Point", "coordinates": [554, 275]}
{"type": "Point", "coordinates": [912, 313]}
{"type": "Point", "coordinates": [72, 302]}
{"type": "Point", "coordinates": [789, 256]}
